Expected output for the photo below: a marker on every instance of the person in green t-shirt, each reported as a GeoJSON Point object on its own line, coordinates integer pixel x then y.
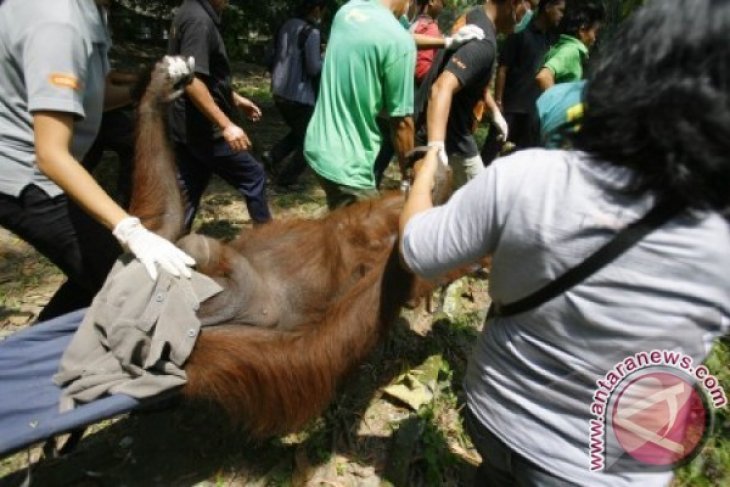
{"type": "Point", "coordinates": [368, 70]}
{"type": "Point", "coordinates": [565, 61]}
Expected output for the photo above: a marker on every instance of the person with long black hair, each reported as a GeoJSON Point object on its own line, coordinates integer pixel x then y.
{"type": "Point", "coordinates": [599, 254]}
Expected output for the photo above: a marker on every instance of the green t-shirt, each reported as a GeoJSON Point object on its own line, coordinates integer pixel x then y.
{"type": "Point", "coordinates": [566, 59]}
{"type": "Point", "coordinates": [368, 69]}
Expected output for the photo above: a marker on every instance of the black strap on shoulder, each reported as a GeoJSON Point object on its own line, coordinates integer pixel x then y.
{"type": "Point", "coordinates": [623, 241]}
{"type": "Point", "coordinates": [304, 34]}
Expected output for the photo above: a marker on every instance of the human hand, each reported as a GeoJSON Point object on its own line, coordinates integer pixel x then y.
{"type": "Point", "coordinates": [425, 169]}
{"type": "Point", "coordinates": [501, 125]}
{"type": "Point", "coordinates": [152, 249]}
{"type": "Point", "coordinates": [465, 34]}
{"type": "Point", "coordinates": [252, 111]}
{"type": "Point", "coordinates": [236, 138]}
{"type": "Point", "coordinates": [440, 147]}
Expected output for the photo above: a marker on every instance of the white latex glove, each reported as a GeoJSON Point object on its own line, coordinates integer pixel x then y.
{"type": "Point", "coordinates": [441, 146]}
{"type": "Point", "coordinates": [152, 249]}
{"type": "Point", "coordinates": [180, 71]}
{"type": "Point", "coordinates": [465, 34]}
{"type": "Point", "coordinates": [501, 125]}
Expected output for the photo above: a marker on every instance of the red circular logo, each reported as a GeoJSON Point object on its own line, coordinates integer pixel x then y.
{"type": "Point", "coordinates": [660, 418]}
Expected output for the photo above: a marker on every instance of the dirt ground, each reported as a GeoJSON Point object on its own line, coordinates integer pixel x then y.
{"type": "Point", "coordinates": [368, 437]}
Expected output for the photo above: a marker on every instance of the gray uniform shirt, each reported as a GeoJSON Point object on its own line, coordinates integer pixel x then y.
{"type": "Point", "coordinates": [53, 56]}
{"type": "Point", "coordinates": [539, 213]}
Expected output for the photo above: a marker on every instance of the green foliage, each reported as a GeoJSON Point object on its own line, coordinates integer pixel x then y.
{"type": "Point", "coordinates": [712, 466]}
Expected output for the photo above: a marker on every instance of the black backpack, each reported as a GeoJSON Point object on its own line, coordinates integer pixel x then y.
{"type": "Point", "coordinates": [272, 47]}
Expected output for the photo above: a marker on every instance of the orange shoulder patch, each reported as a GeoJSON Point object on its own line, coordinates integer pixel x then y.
{"type": "Point", "coordinates": [458, 62]}
{"type": "Point", "coordinates": [63, 80]}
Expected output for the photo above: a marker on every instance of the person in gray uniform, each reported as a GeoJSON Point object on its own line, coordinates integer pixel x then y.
{"type": "Point", "coordinates": [53, 90]}
{"type": "Point", "coordinates": [653, 141]}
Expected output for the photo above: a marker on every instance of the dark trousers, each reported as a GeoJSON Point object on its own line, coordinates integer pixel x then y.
{"type": "Point", "coordinates": [296, 116]}
{"type": "Point", "coordinates": [521, 133]}
{"type": "Point", "coordinates": [81, 247]}
{"type": "Point", "coordinates": [241, 170]}
{"type": "Point", "coordinates": [501, 466]}
{"type": "Point", "coordinates": [116, 134]}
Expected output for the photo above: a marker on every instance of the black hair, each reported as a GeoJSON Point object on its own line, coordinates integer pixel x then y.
{"type": "Point", "coordinates": [306, 6]}
{"type": "Point", "coordinates": [580, 14]}
{"type": "Point", "coordinates": [658, 101]}
{"type": "Point", "coordinates": [545, 4]}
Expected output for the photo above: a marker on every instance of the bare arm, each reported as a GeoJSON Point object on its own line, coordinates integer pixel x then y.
{"type": "Point", "coordinates": [499, 83]}
{"type": "Point", "coordinates": [403, 134]}
{"type": "Point", "coordinates": [545, 79]}
{"type": "Point", "coordinates": [203, 100]}
{"type": "Point", "coordinates": [419, 197]}
{"type": "Point", "coordinates": [424, 41]}
{"type": "Point", "coordinates": [252, 111]}
{"type": "Point", "coordinates": [53, 132]}
{"type": "Point", "coordinates": [439, 105]}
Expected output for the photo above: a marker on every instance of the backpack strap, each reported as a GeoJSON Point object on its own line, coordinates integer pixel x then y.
{"type": "Point", "coordinates": [304, 34]}
{"type": "Point", "coordinates": [624, 240]}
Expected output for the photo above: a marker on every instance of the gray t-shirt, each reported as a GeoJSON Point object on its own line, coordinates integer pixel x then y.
{"type": "Point", "coordinates": [532, 376]}
{"type": "Point", "coordinates": [53, 55]}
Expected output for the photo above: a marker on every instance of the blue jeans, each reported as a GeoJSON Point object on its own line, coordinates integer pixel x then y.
{"type": "Point", "coordinates": [197, 163]}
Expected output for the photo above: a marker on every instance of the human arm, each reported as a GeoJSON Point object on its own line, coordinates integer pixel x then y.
{"type": "Point", "coordinates": [435, 240]}
{"type": "Point", "coordinates": [403, 131]}
{"type": "Point", "coordinates": [252, 111]}
{"type": "Point", "coordinates": [465, 34]}
{"type": "Point", "coordinates": [313, 54]}
{"type": "Point", "coordinates": [495, 114]}
{"type": "Point", "coordinates": [439, 107]}
{"type": "Point", "coordinates": [201, 97]}
{"type": "Point", "coordinates": [398, 89]}
{"type": "Point", "coordinates": [419, 196]}
{"type": "Point", "coordinates": [499, 83]}
{"type": "Point", "coordinates": [545, 79]}
{"type": "Point", "coordinates": [53, 132]}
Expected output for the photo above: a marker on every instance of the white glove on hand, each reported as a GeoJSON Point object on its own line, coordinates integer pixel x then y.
{"type": "Point", "coordinates": [465, 34]}
{"type": "Point", "coordinates": [442, 156]}
{"type": "Point", "coordinates": [152, 249]}
{"type": "Point", "coordinates": [501, 125]}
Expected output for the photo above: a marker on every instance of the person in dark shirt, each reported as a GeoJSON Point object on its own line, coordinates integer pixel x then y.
{"type": "Point", "coordinates": [461, 85]}
{"type": "Point", "coordinates": [515, 90]}
{"type": "Point", "coordinates": [295, 75]}
{"type": "Point", "coordinates": [203, 123]}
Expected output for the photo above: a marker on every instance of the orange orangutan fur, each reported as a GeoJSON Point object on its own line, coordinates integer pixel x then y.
{"type": "Point", "coordinates": [305, 301]}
